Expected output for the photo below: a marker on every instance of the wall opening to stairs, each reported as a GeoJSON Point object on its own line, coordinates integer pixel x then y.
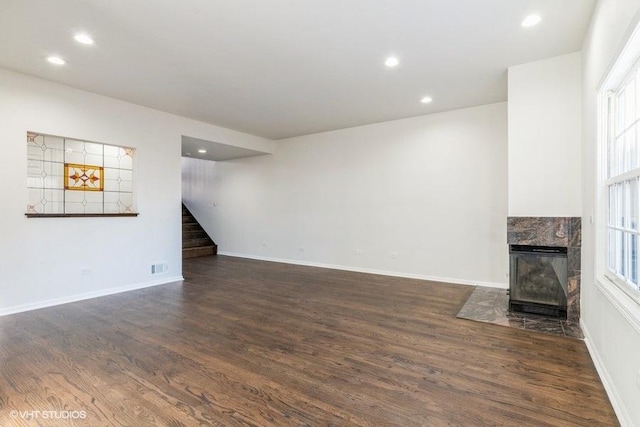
{"type": "Point", "coordinates": [199, 156]}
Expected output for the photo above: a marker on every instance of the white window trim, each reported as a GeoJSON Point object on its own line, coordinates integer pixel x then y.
{"type": "Point", "coordinates": [623, 296]}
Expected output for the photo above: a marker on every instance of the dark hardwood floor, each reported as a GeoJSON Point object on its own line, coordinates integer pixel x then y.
{"type": "Point", "coordinates": [245, 342]}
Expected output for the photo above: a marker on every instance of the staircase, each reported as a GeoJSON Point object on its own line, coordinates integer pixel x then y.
{"type": "Point", "coordinates": [195, 241]}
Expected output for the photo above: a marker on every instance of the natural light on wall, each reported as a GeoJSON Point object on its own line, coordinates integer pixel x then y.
{"type": "Point", "coordinates": [619, 159]}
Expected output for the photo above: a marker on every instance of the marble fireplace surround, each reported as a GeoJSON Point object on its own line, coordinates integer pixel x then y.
{"type": "Point", "coordinates": [563, 232]}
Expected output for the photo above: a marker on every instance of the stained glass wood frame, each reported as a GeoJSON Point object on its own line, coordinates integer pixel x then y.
{"type": "Point", "coordinates": [73, 177]}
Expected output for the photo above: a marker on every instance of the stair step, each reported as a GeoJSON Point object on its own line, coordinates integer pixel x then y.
{"type": "Point", "coordinates": [191, 227]}
{"type": "Point", "coordinates": [201, 251]}
{"type": "Point", "coordinates": [189, 220]}
{"type": "Point", "coordinates": [193, 243]}
{"type": "Point", "coordinates": [198, 233]}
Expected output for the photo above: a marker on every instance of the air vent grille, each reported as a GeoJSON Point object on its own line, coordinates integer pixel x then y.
{"type": "Point", "coordinates": [159, 268]}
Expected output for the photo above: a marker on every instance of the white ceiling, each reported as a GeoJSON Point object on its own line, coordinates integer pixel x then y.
{"type": "Point", "coordinates": [282, 68]}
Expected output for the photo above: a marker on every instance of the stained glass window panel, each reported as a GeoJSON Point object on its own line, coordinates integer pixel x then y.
{"type": "Point", "coordinates": [71, 176]}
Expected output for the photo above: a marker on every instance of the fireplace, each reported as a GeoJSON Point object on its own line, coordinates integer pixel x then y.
{"type": "Point", "coordinates": [551, 232]}
{"type": "Point", "coordinates": [538, 280]}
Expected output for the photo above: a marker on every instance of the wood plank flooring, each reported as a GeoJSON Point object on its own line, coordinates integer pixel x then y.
{"type": "Point", "coordinates": [251, 343]}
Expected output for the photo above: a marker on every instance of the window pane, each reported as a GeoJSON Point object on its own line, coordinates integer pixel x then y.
{"type": "Point", "coordinates": [630, 104]}
{"type": "Point", "coordinates": [637, 95]}
{"type": "Point", "coordinates": [618, 165]}
{"type": "Point", "coordinates": [609, 135]}
{"type": "Point", "coordinates": [611, 157]}
{"type": "Point", "coordinates": [633, 259]}
{"type": "Point", "coordinates": [632, 203]}
{"type": "Point", "coordinates": [619, 123]}
{"type": "Point", "coordinates": [625, 149]}
{"type": "Point", "coordinates": [612, 205]}
{"type": "Point", "coordinates": [620, 205]}
{"type": "Point", "coordinates": [626, 153]}
{"type": "Point", "coordinates": [626, 162]}
{"type": "Point", "coordinates": [630, 149]}
{"type": "Point", "coordinates": [611, 251]}
{"type": "Point", "coordinates": [621, 253]}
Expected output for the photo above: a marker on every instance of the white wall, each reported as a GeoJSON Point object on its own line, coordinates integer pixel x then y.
{"type": "Point", "coordinates": [545, 137]}
{"type": "Point", "coordinates": [431, 189]}
{"type": "Point", "coordinates": [613, 334]}
{"type": "Point", "coordinates": [41, 259]}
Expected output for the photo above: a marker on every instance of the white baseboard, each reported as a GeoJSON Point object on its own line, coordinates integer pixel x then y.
{"type": "Point", "coordinates": [614, 397]}
{"type": "Point", "coordinates": [369, 270]}
{"type": "Point", "coordinates": [79, 297]}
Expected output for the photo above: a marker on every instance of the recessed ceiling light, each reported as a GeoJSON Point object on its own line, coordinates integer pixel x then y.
{"type": "Point", "coordinates": [202, 151]}
{"type": "Point", "coordinates": [56, 60]}
{"type": "Point", "coordinates": [391, 62]}
{"type": "Point", "coordinates": [426, 99]}
{"type": "Point", "coordinates": [83, 38]}
{"type": "Point", "coordinates": [531, 20]}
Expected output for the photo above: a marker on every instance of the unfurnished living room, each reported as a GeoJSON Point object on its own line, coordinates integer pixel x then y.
{"type": "Point", "coordinates": [315, 213]}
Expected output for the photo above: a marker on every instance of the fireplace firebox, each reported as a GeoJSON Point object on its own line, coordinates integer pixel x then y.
{"type": "Point", "coordinates": [538, 280]}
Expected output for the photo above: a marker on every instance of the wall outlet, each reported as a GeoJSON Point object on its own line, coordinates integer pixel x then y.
{"type": "Point", "coordinates": [88, 271]}
{"type": "Point", "coordinates": [358, 251]}
{"type": "Point", "coordinates": [264, 244]}
{"type": "Point", "coordinates": [393, 255]}
{"type": "Point", "coordinates": [300, 249]}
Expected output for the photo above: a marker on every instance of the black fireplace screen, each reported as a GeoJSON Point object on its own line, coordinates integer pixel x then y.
{"type": "Point", "coordinates": [538, 280]}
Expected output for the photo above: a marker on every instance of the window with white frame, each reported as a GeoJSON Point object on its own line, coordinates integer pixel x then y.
{"type": "Point", "coordinates": [620, 149]}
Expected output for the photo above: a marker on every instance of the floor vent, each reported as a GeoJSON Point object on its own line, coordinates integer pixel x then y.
{"type": "Point", "coordinates": [160, 268]}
